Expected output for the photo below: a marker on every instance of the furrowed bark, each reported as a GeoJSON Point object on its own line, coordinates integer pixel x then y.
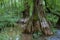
{"type": "Point", "coordinates": [45, 27]}
{"type": "Point", "coordinates": [36, 26]}
{"type": "Point", "coordinates": [38, 10]}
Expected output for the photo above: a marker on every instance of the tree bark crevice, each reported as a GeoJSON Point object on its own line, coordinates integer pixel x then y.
{"type": "Point", "coordinates": [38, 21]}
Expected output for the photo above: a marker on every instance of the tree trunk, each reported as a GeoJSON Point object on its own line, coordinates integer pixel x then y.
{"type": "Point", "coordinates": [38, 12]}
{"type": "Point", "coordinates": [37, 18]}
{"type": "Point", "coordinates": [24, 21]}
{"type": "Point", "coordinates": [36, 26]}
{"type": "Point", "coordinates": [45, 27]}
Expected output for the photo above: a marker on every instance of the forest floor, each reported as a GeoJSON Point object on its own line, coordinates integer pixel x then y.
{"type": "Point", "coordinates": [14, 34]}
